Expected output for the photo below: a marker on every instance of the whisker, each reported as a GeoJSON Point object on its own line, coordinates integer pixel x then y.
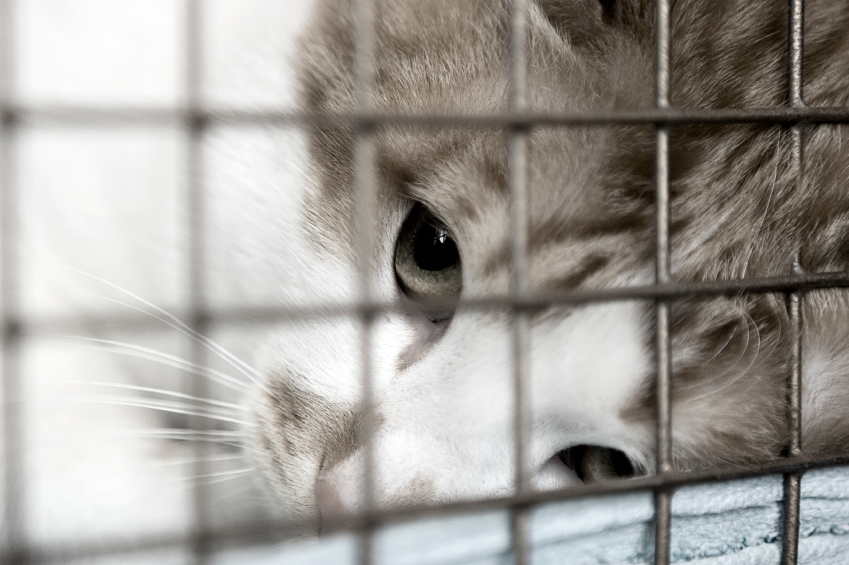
{"type": "Point", "coordinates": [161, 391]}
{"type": "Point", "coordinates": [235, 438]}
{"type": "Point", "coordinates": [215, 481]}
{"type": "Point", "coordinates": [174, 322]}
{"type": "Point", "coordinates": [178, 433]}
{"type": "Point", "coordinates": [212, 478]}
{"type": "Point", "coordinates": [222, 473]}
{"type": "Point", "coordinates": [160, 357]}
{"type": "Point", "coordinates": [228, 438]}
{"type": "Point", "coordinates": [225, 438]}
{"type": "Point", "coordinates": [171, 407]}
{"type": "Point", "coordinates": [188, 460]}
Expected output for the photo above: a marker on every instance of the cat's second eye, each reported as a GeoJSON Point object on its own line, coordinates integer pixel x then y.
{"type": "Point", "coordinates": [427, 264]}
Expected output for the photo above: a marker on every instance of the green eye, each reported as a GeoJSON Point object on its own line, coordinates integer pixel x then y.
{"type": "Point", "coordinates": [427, 264]}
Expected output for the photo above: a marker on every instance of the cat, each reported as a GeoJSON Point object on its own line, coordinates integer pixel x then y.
{"type": "Point", "coordinates": [442, 374]}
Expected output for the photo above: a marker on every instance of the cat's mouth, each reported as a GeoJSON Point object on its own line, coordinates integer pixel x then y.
{"type": "Point", "coordinates": [592, 463]}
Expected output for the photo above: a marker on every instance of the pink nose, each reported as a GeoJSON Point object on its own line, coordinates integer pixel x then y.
{"type": "Point", "coordinates": [329, 505]}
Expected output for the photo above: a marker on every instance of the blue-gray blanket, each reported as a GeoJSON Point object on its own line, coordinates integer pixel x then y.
{"type": "Point", "coordinates": [716, 524]}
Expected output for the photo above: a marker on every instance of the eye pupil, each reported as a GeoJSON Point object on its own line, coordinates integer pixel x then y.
{"type": "Point", "coordinates": [434, 249]}
{"type": "Point", "coordinates": [428, 266]}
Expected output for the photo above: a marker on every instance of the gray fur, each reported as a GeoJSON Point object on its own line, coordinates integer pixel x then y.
{"type": "Point", "coordinates": [735, 209]}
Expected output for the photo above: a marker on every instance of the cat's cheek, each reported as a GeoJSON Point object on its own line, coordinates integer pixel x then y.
{"type": "Point", "coordinates": [593, 358]}
{"type": "Point", "coordinates": [400, 479]}
{"type": "Point", "coordinates": [446, 420]}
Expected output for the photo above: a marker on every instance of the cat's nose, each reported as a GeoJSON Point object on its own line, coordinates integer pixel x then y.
{"type": "Point", "coordinates": [330, 506]}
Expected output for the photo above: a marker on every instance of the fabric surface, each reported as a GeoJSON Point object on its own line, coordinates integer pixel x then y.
{"type": "Point", "coordinates": [734, 523]}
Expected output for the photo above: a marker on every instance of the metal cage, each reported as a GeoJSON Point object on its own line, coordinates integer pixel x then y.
{"type": "Point", "coordinates": [195, 118]}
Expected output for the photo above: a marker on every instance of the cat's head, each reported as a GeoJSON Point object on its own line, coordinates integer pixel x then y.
{"type": "Point", "coordinates": [443, 373]}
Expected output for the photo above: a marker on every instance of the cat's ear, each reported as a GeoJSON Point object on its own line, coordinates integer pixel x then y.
{"type": "Point", "coordinates": [592, 22]}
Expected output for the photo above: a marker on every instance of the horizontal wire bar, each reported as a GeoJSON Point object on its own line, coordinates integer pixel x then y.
{"type": "Point", "coordinates": [667, 481]}
{"type": "Point", "coordinates": [45, 325]}
{"type": "Point", "coordinates": [102, 115]}
{"type": "Point", "coordinates": [272, 530]}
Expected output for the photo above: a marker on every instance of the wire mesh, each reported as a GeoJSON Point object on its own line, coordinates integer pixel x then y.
{"type": "Point", "coordinates": [14, 488]}
{"type": "Point", "coordinates": [201, 317]}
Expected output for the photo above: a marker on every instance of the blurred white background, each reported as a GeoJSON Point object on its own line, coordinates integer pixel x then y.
{"type": "Point", "coordinates": [103, 234]}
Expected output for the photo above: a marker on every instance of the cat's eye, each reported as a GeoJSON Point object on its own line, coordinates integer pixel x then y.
{"type": "Point", "coordinates": [427, 264]}
{"type": "Point", "coordinates": [595, 463]}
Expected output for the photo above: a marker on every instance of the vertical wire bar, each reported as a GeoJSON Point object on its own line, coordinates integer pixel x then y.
{"type": "Point", "coordinates": [365, 179]}
{"type": "Point", "coordinates": [518, 165]}
{"type": "Point", "coordinates": [365, 193]}
{"type": "Point", "coordinates": [793, 481]}
{"type": "Point", "coordinates": [196, 281]}
{"type": "Point", "coordinates": [518, 233]}
{"type": "Point", "coordinates": [13, 548]}
{"type": "Point", "coordinates": [663, 497]}
{"type": "Point", "coordinates": [794, 71]}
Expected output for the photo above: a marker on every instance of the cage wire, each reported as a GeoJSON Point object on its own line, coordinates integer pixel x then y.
{"type": "Point", "coordinates": [195, 118]}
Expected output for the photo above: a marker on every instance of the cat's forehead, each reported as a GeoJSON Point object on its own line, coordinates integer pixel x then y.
{"type": "Point", "coordinates": [457, 61]}
{"type": "Point", "coordinates": [444, 55]}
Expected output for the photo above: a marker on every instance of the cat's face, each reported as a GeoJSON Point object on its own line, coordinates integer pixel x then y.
{"type": "Point", "coordinates": [442, 373]}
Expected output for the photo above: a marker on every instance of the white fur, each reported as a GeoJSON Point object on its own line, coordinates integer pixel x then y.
{"type": "Point", "coordinates": [447, 420]}
{"type": "Point", "coordinates": [110, 202]}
